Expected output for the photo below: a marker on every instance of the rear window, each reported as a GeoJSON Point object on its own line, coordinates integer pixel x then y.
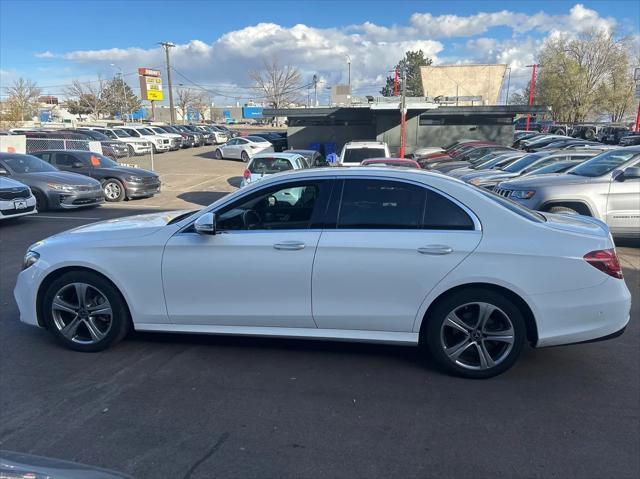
{"type": "Point", "coordinates": [257, 139]}
{"type": "Point", "coordinates": [267, 166]}
{"type": "Point", "coordinates": [357, 155]}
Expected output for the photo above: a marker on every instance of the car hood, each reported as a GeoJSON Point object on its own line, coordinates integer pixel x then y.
{"type": "Point", "coordinates": [9, 183]}
{"type": "Point", "coordinates": [62, 177]}
{"type": "Point", "coordinates": [129, 170]}
{"type": "Point", "coordinates": [116, 229]}
{"type": "Point", "coordinates": [549, 180]}
{"type": "Point", "coordinates": [577, 224]}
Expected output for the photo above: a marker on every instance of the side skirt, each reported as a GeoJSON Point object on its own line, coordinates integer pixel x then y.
{"type": "Point", "coordinates": [387, 337]}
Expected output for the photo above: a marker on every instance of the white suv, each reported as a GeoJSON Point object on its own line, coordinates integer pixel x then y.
{"type": "Point", "coordinates": [158, 143]}
{"type": "Point", "coordinates": [137, 146]}
{"type": "Point", "coordinates": [354, 152]}
{"type": "Point", "coordinates": [176, 140]}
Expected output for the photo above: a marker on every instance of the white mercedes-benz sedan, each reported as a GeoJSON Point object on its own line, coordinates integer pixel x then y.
{"type": "Point", "coordinates": [359, 254]}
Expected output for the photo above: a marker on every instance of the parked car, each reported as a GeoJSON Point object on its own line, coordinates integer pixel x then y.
{"type": "Point", "coordinates": [354, 152]}
{"type": "Point", "coordinates": [265, 164]}
{"type": "Point", "coordinates": [199, 139]}
{"type": "Point", "coordinates": [159, 144]}
{"type": "Point", "coordinates": [188, 138]}
{"type": "Point", "coordinates": [52, 189]}
{"type": "Point", "coordinates": [490, 178]}
{"type": "Point", "coordinates": [219, 136]}
{"type": "Point", "coordinates": [569, 142]}
{"type": "Point", "coordinates": [611, 135]}
{"type": "Point", "coordinates": [278, 140]}
{"type": "Point", "coordinates": [351, 254]}
{"type": "Point", "coordinates": [402, 162]}
{"type": "Point", "coordinates": [118, 182]}
{"type": "Point", "coordinates": [586, 132]}
{"type": "Point", "coordinates": [177, 140]}
{"type": "Point", "coordinates": [552, 168]}
{"type": "Point", "coordinates": [208, 137]}
{"type": "Point", "coordinates": [469, 157]}
{"type": "Point", "coordinates": [111, 148]}
{"type": "Point", "coordinates": [606, 187]}
{"type": "Point", "coordinates": [230, 133]}
{"type": "Point", "coordinates": [314, 158]}
{"type": "Point", "coordinates": [495, 162]}
{"type": "Point", "coordinates": [535, 144]}
{"type": "Point", "coordinates": [243, 148]}
{"type": "Point", "coordinates": [630, 139]}
{"type": "Point", "coordinates": [16, 199]}
{"type": "Point", "coordinates": [135, 145]}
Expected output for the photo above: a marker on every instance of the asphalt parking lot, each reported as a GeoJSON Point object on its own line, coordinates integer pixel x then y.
{"type": "Point", "coordinates": [182, 406]}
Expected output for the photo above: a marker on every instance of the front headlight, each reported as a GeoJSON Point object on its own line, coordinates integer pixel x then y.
{"type": "Point", "coordinates": [30, 259]}
{"type": "Point", "coordinates": [59, 187]}
{"type": "Point", "coordinates": [522, 194]}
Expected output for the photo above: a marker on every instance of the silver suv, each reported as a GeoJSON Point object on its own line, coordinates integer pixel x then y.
{"type": "Point", "coordinates": [606, 187]}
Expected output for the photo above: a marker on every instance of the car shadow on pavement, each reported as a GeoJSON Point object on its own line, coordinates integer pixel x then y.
{"type": "Point", "coordinates": [209, 155]}
{"type": "Point", "coordinates": [203, 198]}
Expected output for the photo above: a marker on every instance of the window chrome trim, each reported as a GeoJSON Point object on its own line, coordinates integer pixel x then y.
{"type": "Point", "coordinates": [477, 225]}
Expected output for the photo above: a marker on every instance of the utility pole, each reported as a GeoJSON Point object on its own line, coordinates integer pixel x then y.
{"type": "Point", "coordinates": [508, 84]}
{"type": "Point", "coordinates": [403, 112]}
{"type": "Point", "coordinates": [315, 90]}
{"type": "Point", "coordinates": [532, 87]}
{"type": "Point", "coordinates": [172, 113]}
{"type": "Point", "coordinates": [395, 82]}
{"type": "Point", "coordinates": [349, 75]}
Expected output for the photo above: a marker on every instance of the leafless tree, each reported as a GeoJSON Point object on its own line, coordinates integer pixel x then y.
{"type": "Point", "coordinates": [23, 99]}
{"type": "Point", "coordinates": [88, 97]}
{"type": "Point", "coordinates": [185, 98]}
{"type": "Point", "coordinates": [201, 104]}
{"type": "Point", "coordinates": [278, 85]}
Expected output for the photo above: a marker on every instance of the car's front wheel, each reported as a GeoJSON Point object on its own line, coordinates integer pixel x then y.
{"type": "Point", "coordinates": [475, 333]}
{"type": "Point", "coordinates": [85, 312]}
{"type": "Point", "coordinates": [113, 190]}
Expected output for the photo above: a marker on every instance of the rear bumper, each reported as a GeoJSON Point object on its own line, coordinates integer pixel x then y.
{"type": "Point", "coordinates": [583, 315]}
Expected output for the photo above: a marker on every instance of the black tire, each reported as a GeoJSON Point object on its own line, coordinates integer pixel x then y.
{"type": "Point", "coordinates": [434, 335]}
{"type": "Point", "coordinates": [564, 210]}
{"type": "Point", "coordinates": [218, 154]}
{"type": "Point", "coordinates": [41, 201]}
{"type": "Point", "coordinates": [120, 320]}
{"type": "Point", "coordinates": [244, 156]}
{"type": "Point", "coordinates": [132, 152]}
{"type": "Point", "coordinates": [113, 190]}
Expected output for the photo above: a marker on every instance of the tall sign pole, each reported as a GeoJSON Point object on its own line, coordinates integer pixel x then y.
{"type": "Point", "coordinates": [403, 112]}
{"type": "Point", "coordinates": [395, 82]}
{"type": "Point", "coordinates": [532, 86]}
{"type": "Point", "coordinates": [636, 77]}
{"type": "Point", "coordinates": [167, 46]}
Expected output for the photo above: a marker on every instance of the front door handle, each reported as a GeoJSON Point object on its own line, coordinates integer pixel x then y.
{"type": "Point", "coordinates": [289, 245]}
{"type": "Point", "coordinates": [436, 249]}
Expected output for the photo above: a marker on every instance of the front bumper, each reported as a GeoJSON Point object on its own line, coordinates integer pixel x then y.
{"type": "Point", "coordinates": [75, 199]}
{"type": "Point", "coordinates": [8, 207]}
{"type": "Point", "coordinates": [582, 315]}
{"type": "Point", "coordinates": [136, 190]}
{"type": "Point", "coordinates": [161, 146]}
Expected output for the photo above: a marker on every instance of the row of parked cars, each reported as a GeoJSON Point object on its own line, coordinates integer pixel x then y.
{"type": "Point", "coordinates": [610, 134]}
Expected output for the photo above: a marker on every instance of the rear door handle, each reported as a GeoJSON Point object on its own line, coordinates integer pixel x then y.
{"type": "Point", "coordinates": [436, 249]}
{"type": "Point", "coordinates": [289, 245]}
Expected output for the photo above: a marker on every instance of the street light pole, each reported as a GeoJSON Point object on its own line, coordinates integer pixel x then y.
{"type": "Point", "coordinates": [403, 112]}
{"type": "Point", "coordinates": [532, 87]}
{"type": "Point", "coordinates": [167, 46]}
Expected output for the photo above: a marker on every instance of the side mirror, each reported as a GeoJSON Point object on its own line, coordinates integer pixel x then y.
{"type": "Point", "coordinates": [206, 224]}
{"type": "Point", "coordinates": [77, 164]}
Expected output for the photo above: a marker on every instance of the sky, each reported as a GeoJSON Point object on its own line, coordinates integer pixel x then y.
{"type": "Point", "coordinates": [217, 43]}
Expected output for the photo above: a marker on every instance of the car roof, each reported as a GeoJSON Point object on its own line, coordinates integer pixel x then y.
{"type": "Point", "coordinates": [301, 152]}
{"type": "Point", "coordinates": [286, 155]}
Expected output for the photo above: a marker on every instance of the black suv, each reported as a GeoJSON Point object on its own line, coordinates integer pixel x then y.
{"type": "Point", "coordinates": [118, 182]}
{"type": "Point", "coordinates": [112, 148]}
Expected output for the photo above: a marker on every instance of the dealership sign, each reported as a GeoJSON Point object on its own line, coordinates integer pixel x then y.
{"type": "Point", "coordinates": [150, 84]}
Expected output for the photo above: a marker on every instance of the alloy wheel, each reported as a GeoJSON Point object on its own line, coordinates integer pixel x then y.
{"type": "Point", "coordinates": [112, 190]}
{"type": "Point", "coordinates": [477, 336]}
{"type": "Point", "coordinates": [82, 313]}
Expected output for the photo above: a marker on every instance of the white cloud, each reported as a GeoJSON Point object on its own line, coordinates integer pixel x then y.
{"type": "Point", "coordinates": [373, 49]}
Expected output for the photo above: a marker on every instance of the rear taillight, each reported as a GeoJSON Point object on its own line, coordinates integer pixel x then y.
{"type": "Point", "coordinates": [246, 174]}
{"type": "Point", "coordinates": [606, 260]}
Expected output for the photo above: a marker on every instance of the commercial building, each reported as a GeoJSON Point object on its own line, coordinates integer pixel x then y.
{"type": "Point", "coordinates": [464, 85]}
{"type": "Point", "coordinates": [428, 124]}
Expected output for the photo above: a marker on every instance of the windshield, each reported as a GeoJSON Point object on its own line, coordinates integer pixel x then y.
{"type": "Point", "coordinates": [96, 135]}
{"type": "Point", "coordinates": [28, 164]}
{"type": "Point", "coordinates": [520, 164]}
{"type": "Point", "coordinates": [122, 134]}
{"type": "Point", "coordinates": [158, 131]}
{"type": "Point", "coordinates": [145, 132]}
{"type": "Point", "coordinates": [357, 155]}
{"type": "Point", "coordinates": [269, 165]}
{"type": "Point", "coordinates": [603, 163]}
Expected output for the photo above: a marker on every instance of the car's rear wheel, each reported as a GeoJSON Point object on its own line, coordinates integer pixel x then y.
{"type": "Point", "coordinates": [244, 156]}
{"type": "Point", "coordinates": [563, 209]}
{"type": "Point", "coordinates": [85, 312]}
{"type": "Point", "coordinates": [218, 154]}
{"type": "Point", "coordinates": [475, 333]}
{"type": "Point", "coordinates": [113, 190]}
{"type": "Point", "coordinates": [132, 152]}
